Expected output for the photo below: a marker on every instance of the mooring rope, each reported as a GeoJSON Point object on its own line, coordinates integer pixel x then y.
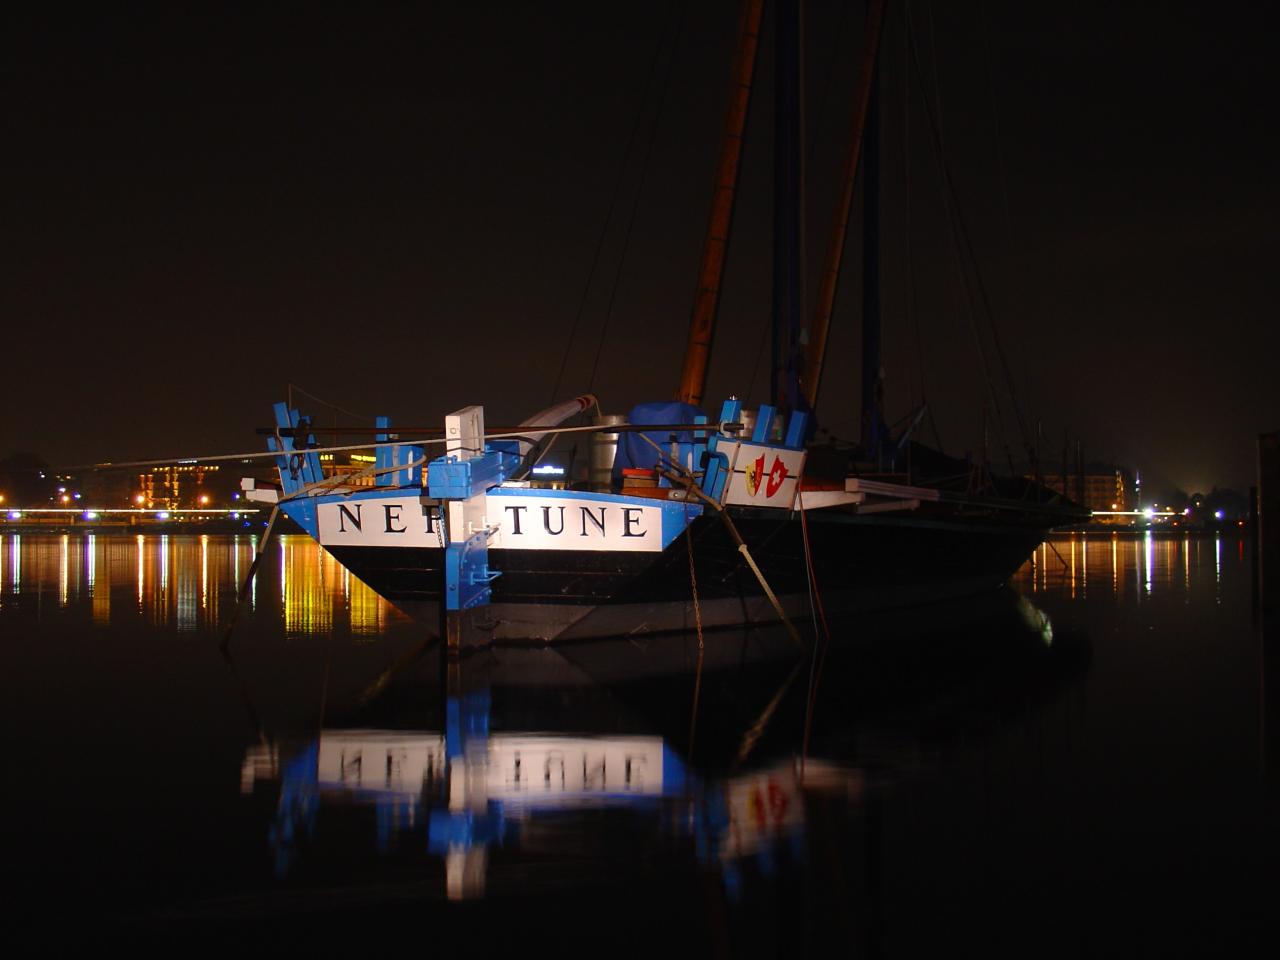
{"type": "Point", "coordinates": [697, 622]}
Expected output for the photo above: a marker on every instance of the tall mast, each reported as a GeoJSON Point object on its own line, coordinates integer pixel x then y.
{"type": "Point", "coordinates": [702, 324]}
{"type": "Point", "coordinates": [872, 365]}
{"type": "Point", "coordinates": [788, 172]}
{"type": "Point", "coordinates": [826, 297]}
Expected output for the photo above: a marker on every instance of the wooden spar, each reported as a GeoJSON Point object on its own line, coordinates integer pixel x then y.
{"type": "Point", "coordinates": [839, 226]}
{"type": "Point", "coordinates": [702, 324]}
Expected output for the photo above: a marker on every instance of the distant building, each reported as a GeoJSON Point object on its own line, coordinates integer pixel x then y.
{"type": "Point", "coordinates": [179, 487]}
{"type": "Point", "coordinates": [344, 465]}
{"type": "Point", "coordinates": [1103, 492]}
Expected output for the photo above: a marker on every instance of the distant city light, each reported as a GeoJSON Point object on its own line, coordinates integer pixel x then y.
{"type": "Point", "coordinates": [65, 498]}
{"type": "Point", "coordinates": [139, 498]}
{"type": "Point", "coordinates": [76, 496]}
{"type": "Point", "coordinates": [549, 469]}
{"type": "Point", "coordinates": [15, 515]}
{"type": "Point", "coordinates": [1149, 512]}
{"type": "Point", "coordinates": [62, 489]}
{"type": "Point", "coordinates": [90, 515]}
{"type": "Point", "coordinates": [1218, 514]}
{"type": "Point", "coordinates": [163, 515]}
{"type": "Point", "coordinates": [204, 498]}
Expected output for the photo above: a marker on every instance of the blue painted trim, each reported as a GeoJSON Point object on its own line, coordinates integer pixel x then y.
{"type": "Point", "coordinates": [764, 424]}
{"type": "Point", "coordinates": [303, 512]}
{"type": "Point", "coordinates": [382, 455]}
{"type": "Point", "coordinates": [796, 430]}
{"type": "Point", "coordinates": [466, 573]}
{"type": "Point", "coordinates": [449, 478]}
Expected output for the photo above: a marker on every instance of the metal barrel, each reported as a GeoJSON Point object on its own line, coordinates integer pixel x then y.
{"type": "Point", "coordinates": [603, 449]}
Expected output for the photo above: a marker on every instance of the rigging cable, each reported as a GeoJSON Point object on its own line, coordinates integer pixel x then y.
{"type": "Point", "coordinates": [291, 387]}
{"type": "Point", "coordinates": [635, 201]}
{"type": "Point", "coordinates": [967, 248]}
{"type": "Point", "coordinates": [963, 245]}
{"type": "Point", "coordinates": [608, 217]}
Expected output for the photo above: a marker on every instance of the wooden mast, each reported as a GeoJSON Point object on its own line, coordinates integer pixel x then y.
{"type": "Point", "coordinates": [702, 324]}
{"type": "Point", "coordinates": [839, 227]}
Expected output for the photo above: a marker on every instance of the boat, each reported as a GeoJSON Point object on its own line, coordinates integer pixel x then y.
{"type": "Point", "coordinates": [695, 522]}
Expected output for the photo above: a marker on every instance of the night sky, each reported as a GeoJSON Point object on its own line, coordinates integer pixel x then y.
{"type": "Point", "coordinates": [398, 209]}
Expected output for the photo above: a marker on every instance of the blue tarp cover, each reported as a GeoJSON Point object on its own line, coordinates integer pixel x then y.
{"type": "Point", "coordinates": [634, 452]}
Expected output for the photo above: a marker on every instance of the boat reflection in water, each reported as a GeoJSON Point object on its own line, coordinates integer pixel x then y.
{"type": "Point", "coordinates": [474, 811]}
{"type": "Point", "coordinates": [470, 790]}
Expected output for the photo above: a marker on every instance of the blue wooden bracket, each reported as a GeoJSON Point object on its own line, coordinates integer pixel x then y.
{"type": "Point", "coordinates": [449, 478]}
{"type": "Point", "coordinates": [466, 573]}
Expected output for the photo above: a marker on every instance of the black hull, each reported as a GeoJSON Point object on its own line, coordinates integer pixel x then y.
{"type": "Point", "coordinates": [861, 563]}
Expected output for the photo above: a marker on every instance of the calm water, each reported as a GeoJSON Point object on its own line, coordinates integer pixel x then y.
{"type": "Point", "coordinates": [1078, 766]}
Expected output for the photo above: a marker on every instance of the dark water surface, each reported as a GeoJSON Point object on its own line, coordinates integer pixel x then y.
{"type": "Point", "coordinates": [1080, 765]}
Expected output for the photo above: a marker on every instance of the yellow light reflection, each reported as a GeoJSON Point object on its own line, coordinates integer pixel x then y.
{"type": "Point", "coordinates": [63, 560]}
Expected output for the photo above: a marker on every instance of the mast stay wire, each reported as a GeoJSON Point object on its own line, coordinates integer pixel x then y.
{"type": "Point", "coordinates": [910, 304]}
{"type": "Point", "coordinates": [988, 311]}
{"type": "Point", "coordinates": [608, 216]}
{"type": "Point", "coordinates": [644, 173]}
{"type": "Point", "coordinates": [291, 387]}
{"type": "Point", "coordinates": [975, 291]}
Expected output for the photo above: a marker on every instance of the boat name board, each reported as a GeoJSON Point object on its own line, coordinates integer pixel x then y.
{"type": "Point", "coordinates": [521, 521]}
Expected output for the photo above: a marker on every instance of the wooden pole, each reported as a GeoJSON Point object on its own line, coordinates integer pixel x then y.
{"type": "Point", "coordinates": [702, 325]}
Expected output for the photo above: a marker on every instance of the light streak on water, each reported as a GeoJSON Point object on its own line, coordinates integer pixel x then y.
{"type": "Point", "coordinates": [63, 560]}
{"type": "Point", "coordinates": [204, 572]}
{"type": "Point", "coordinates": [1073, 567]}
{"type": "Point", "coordinates": [1084, 565]}
{"type": "Point", "coordinates": [1115, 567]}
{"type": "Point", "coordinates": [1149, 549]}
{"type": "Point", "coordinates": [141, 545]}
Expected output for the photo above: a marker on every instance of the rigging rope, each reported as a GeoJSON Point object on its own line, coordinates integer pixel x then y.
{"type": "Point", "coordinates": [608, 217]}
{"type": "Point", "coordinates": [964, 248]}
{"type": "Point", "coordinates": [635, 200]}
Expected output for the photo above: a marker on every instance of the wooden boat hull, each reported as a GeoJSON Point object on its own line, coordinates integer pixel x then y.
{"type": "Point", "coordinates": [861, 563]}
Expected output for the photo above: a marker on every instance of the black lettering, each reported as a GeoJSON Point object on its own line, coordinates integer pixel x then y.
{"type": "Point", "coordinates": [546, 522]}
{"type": "Point", "coordinates": [588, 515]}
{"type": "Point", "coordinates": [515, 519]}
{"type": "Point", "coordinates": [628, 520]}
{"type": "Point", "coordinates": [589, 776]}
{"type": "Point", "coordinates": [432, 516]}
{"type": "Point", "coordinates": [345, 514]}
{"type": "Point", "coordinates": [387, 508]}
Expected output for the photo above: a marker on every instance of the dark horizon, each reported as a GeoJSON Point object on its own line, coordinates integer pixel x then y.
{"type": "Point", "coordinates": [398, 210]}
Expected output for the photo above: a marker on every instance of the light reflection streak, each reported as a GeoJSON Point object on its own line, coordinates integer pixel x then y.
{"type": "Point", "coordinates": [204, 572]}
{"type": "Point", "coordinates": [1084, 565]}
{"type": "Point", "coordinates": [1217, 567]}
{"type": "Point", "coordinates": [140, 542]}
{"type": "Point", "coordinates": [63, 560]}
{"type": "Point", "coordinates": [1115, 567]}
{"type": "Point", "coordinates": [164, 567]}
{"type": "Point", "coordinates": [1073, 568]}
{"type": "Point", "coordinates": [1186, 566]}
{"type": "Point", "coordinates": [1149, 549]}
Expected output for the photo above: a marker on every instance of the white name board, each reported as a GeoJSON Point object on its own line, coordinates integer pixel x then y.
{"type": "Point", "coordinates": [523, 521]}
